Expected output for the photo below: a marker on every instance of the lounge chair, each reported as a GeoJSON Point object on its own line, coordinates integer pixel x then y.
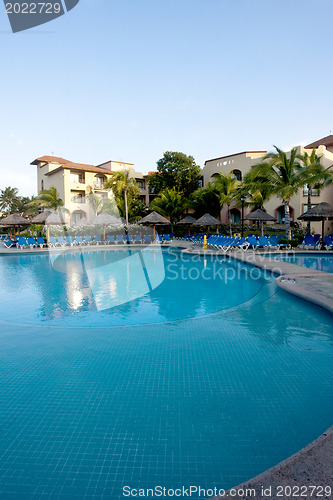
{"type": "Point", "coordinates": [253, 242]}
{"type": "Point", "coordinates": [309, 242]}
{"type": "Point", "coordinates": [41, 242]}
{"type": "Point", "coordinates": [166, 238]}
{"type": "Point", "coordinates": [275, 243]}
{"type": "Point", "coordinates": [22, 242]}
{"type": "Point", "coordinates": [328, 242]}
{"type": "Point", "coordinates": [98, 239]}
{"type": "Point", "coordinates": [32, 242]}
{"type": "Point", "coordinates": [146, 239]}
{"type": "Point", "coordinates": [53, 242]}
{"type": "Point", "coordinates": [110, 238]}
{"type": "Point", "coordinates": [61, 241]}
{"type": "Point", "coordinates": [69, 241]}
{"type": "Point", "coordinates": [88, 240]}
{"type": "Point", "coordinates": [9, 243]}
{"type": "Point", "coordinates": [129, 238]}
{"type": "Point", "coordinates": [119, 238]}
{"type": "Point", "coordinates": [79, 240]}
{"type": "Point", "coordinates": [264, 242]}
{"type": "Point", "coordinates": [137, 238]}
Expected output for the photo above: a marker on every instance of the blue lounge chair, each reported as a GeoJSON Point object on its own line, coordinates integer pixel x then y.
{"type": "Point", "coordinates": [137, 238]}
{"type": "Point", "coordinates": [98, 239]}
{"type": "Point", "coordinates": [316, 237]}
{"type": "Point", "coordinates": [61, 241]}
{"type": "Point", "coordinates": [146, 239]}
{"type": "Point", "coordinates": [41, 242]}
{"type": "Point", "coordinates": [328, 240]}
{"type": "Point", "coordinates": [129, 238]}
{"type": "Point", "coordinates": [158, 238]}
{"type": "Point", "coordinates": [53, 242]}
{"type": "Point", "coordinates": [79, 240]}
{"type": "Point", "coordinates": [309, 241]}
{"type": "Point", "coordinates": [69, 241]}
{"type": "Point", "coordinates": [22, 242]}
{"type": "Point", "coordinates": [119, 238]}
{"type": "Point", "coordinates": [166, 238]}
{"type": "Point", "coordinates": [32, 242]}
{"type": "Point", "coordinates": [264, 242]}
{"type": "Point", "coordinates": [88, 240]}
{"type": "Point", "coordinates": [9, 243]}
{"type": "Point", "coordinates": [253, 242]}
{"type": "Point", "coordinates": [110, 238]}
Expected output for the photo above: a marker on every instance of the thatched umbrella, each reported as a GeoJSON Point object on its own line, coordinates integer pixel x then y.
{"type": "Point", "coordinates": [260, 216]}
{"type": "Point", "coordinates": [188, 220]}
{"type": "Point", "coordinates": [41, 218]}
{"type": "Point", "coordinates": [104, 219]}
{"type": "Point", "coordinates": [53, 219]}
{"type": "Point", "coordinates": [321, 212]}
{"type": "Point", "coordinates": [207, 220]}
{"type": "Point", "coordinates": [154, 219]}
{"type": "Point", "coordinates": [14, 220]}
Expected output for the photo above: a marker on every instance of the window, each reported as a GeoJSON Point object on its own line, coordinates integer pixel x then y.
{"type": "Point", "coordinates": [99, 181]}
{"type": "Point", "coordinates": [42, 185]}
{"type": "Point", "coordinates": [306, 207]}
{"type": "Point", "coordinates": [140, 184]}
{"type": "Point", "coordinates": [237, 174]}
{"type": "Point", "coordinates": [77, 216]}
{"type": "Point", "coordinates": [77, 178]}
{"type": "Point", "coordinates": [314, 192]}
{"type": "Point", "coordinates": [77, 197]}
{"type": "Point", "coordinates": [235, 216]}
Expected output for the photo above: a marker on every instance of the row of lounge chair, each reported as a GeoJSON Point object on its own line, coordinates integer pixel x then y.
{"type": "Point", "coordinates": [62, 241]}
{"type": "Point", "coordinates": [315, 242]}
{"type": "Point", "coordinates": [226, 243]}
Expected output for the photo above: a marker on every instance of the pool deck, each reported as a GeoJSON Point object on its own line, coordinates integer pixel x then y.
{"type": "Point", "coordinates": [313, 465]}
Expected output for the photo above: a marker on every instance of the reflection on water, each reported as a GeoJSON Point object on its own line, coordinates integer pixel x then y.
{"type": "Point", "coordinates": [120, 287]}
{"type": "Point", "coordinates": [318, 262]}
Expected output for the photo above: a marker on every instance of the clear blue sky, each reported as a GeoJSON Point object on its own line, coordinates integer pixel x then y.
{"type": "Point", "coordinates": [128, 79]}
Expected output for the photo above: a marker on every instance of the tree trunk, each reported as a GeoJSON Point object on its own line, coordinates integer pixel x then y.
{"type": "Point", "coordinates": [287, 220]}
{"type": "Point", "coordinates": [309, 206]}
{"type": "Point", "coordinates": [229, 220]}
{"type": "Point", "coordinates": [126, 208]}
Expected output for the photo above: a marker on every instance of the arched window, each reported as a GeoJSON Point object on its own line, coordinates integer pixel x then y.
{"type": "Point", "coordinates": [237, 174]}
{"type": "Point", "coordinates": [235, 216]}
{"type": "Point", "coordinates": [280, 214]}
{"type": "Point", "coordinates": [77, 216]}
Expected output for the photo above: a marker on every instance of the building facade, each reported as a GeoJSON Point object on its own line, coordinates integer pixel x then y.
{"type": "Point", "coordinates": [240, 164]}
{"type": "Point", "coordinates": [74, 181]}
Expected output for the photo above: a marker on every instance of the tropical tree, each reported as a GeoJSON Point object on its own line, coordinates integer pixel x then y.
{"type": "Point", "coordinates": [283, 175]}
{"type": "Point", "coordinates": [315, 175]}
{"type": "Point", "coordinates": [169, 203]}
{"type": "Point", "coordinates": [206, 200]}
{"type": "Point", "coordinates": [101, 203]}
{"type": "Point", "coordinates": [175, 171]}
{"type": "Point", "coordinates": [8, 199]}
{"type": "Point", "coordinates": [228, 187]}
{"type": "Point", "coordinates": [256, 190]}
{"type": "Point", "coordinates": [49, 198]}
{"type": "Point", "coordinates": [26, 205]}
{"type": "Point", "coordinates": [123, 185]}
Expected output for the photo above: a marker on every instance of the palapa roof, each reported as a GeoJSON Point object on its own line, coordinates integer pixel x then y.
{"type": "Point", "coordinates": [55, 220]}
{"type": "Point", "coordinates": [207, 220]}
{"type": "Point", "coordinates": [106, 219]}
{"type": "Point", "coordinates": [322, 211]}
{"type": "Point", "coordinates": [154, 218]}
{"type": "Point", "coordinates": [259, 215]}
{"type": "Point", "coordinates": [187, 220]}
{"type": "Point", "coordinates": [14, 220]}
{"type": "Point", "coordinates": [41, 218]}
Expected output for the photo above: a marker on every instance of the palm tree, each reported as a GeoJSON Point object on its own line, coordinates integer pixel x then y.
{"type": "Point", "coordinates": [8, 199]}
{"type": "Point", "coordinates": [205, 200]}
{"type": "Point", "coordinates": [49, 198]}
{"type": "Point", "coordinates": [122, 183]}
{"type": "Point", "coordinates": [101, 203]}
{"type": "Point", "coordinates": [169, 203]}
{"type": "Point", "coordinates": [283, 175]}
{"type": "Point", "coordinates": [316, 176]}
{"type": "Point", "coordinates": [228, 188]}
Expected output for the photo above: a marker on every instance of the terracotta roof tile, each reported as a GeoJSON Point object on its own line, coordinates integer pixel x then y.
{"type": "Point", "coordinates": [325, 141]}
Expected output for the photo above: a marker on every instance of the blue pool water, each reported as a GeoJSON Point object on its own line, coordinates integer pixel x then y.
{"type": "Point", "coordinates": [320, 262]}
{"type": "Point", "coordinates": [210, 390]}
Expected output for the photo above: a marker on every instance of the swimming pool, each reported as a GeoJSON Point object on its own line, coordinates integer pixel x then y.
{"type": "Point", "coordinates": [320, 262]}
{"type": "Point", "coordinates": [209, 391]}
